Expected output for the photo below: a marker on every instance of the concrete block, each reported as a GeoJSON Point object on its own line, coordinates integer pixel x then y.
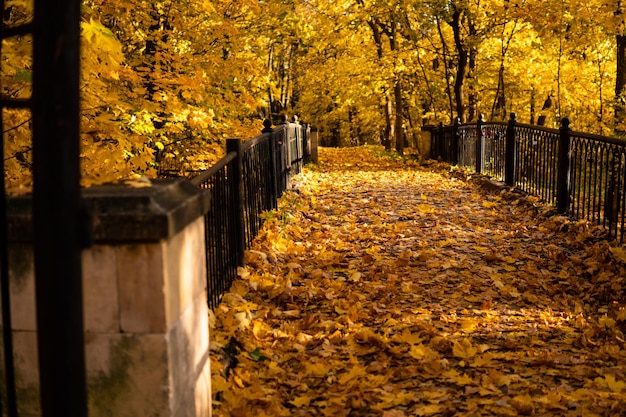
{"type": "Point", "coordinates": [188, 348]}
{"type": "Point", "coordinates": [132, 381]}
{"type": "Point", "coordinates": [185, 277]}
{"type": "Point", "coordinates": [141, 288]}
{"type": "Point", "coordinates": [22, 287]}
{"type": "Point", "coordinates": [27, 372]}
{"type": "Point", "coordinates": [100, 292]}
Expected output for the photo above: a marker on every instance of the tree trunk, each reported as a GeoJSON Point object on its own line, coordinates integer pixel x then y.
{"type": "Point", "coordinates": [399, 130]}
{"type": "Point", "coordinates": [397, 92]}
{"type": "Point", "coordinates": [620, 84]}
{"type": "Point", "coordinates": [459, 82]}
{"type": "Point", "coordinates": [446, 60]}
{"type": "Point", "coordinates": [270, 67]}
{"type": "Point", "coordinates": [533, 104]}
{"type": "Point", "coordinates": [472, 99]}
{"type": "Point", "coordinates": [388, 133]}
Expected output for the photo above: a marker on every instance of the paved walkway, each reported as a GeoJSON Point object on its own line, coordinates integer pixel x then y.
{"type": "Point", "coordinates": [384, 288]}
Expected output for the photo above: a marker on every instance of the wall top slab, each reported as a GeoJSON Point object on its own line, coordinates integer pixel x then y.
{"type": "Point", "coordinates": [125, 213]}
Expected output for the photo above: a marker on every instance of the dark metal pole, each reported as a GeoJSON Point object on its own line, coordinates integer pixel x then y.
{"type": "Point", "coordinates": [509, 164]}
{"type": "Point", "coordinates": [56, 208]}
{"type": "Point", "coordinates": [480, 144]}
{"type": "Point", "coordinates": [455, 142]}
{"type": "Point", "coordinates": [236, 182]}
{"type": "Point", "coordinates": [7, 332]}
{"type": "Point", "coordinates": [440, 137]}
{"type": "Point", "coordinates": [563, 174]}
{"type": "Point", "coordinates": [267, 123]}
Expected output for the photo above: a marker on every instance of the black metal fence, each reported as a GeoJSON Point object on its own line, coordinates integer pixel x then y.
{"type": "Point", "coordinates": [584, 175]}
{"type": "Point", "coordinates": [59, 233]}
{"type": "Point", "coordinates": [245, 183]}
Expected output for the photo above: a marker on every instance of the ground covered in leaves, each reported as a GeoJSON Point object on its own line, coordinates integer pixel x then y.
{"type": "Point", "coordinates": [381, 287]}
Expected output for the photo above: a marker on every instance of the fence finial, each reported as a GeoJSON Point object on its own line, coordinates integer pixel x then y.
{"type": "Point", "coordinates": [565, 123]}
{"type": "Point", "coordinates": [513, 117]}
{"type": "Point", "coordinates": [481, 118]}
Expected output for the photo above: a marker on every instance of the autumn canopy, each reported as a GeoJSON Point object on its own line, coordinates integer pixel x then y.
{"type": "Point", "coordinates": [165, 82]}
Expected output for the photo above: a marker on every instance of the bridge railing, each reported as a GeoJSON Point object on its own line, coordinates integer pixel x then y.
{"type": "Point", "coordinates": [583, 175]}
{"type": "Point", "coordinates": [245, 183]}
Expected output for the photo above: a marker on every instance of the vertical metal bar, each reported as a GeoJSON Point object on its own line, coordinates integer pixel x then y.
{"type": "Point", "coordinates": [575, 177]}
{"type": "Point", "coordinates": [541, 167]}
{"type": "Point", "coordinates": [593, 180]}
{"type": "Point", "coordinates": [509, 164]}
{"type": "Point", "coordinates": [533, 162]}
{"type": "Point", "coordinates": [454, 160]}
{"type": "Point", "coordinates": [479, 144]}
{"type": "Point", "coordinates": [225, 227]}
{"type": "Point", "coordinates": [267, 123]}
{"type": "Point", "coordinates": [542, 171]}
{"type": "Point", "coordinates": [236, 188]}
{"type": "Point", "coordinates": [221, 232]}
{"type": "Point", "coordinates": [439, 142]}
{"type": "Point", "coordinates": [7, 335]}
{"type": "Point", "coordinates": [56, 208]}
{"type": "Point", "coordinates": [563, 185]}
{"type": "Point", "coordinates": [248, 187]}
{"type": "Point", "coordinates": [221, 225]}
{"type": "Point", "coordinates": [623, 197]}
{"type": "Point", "coordinates": [553, 170]}
{"type": "Point", "coordinates": [267, 181]}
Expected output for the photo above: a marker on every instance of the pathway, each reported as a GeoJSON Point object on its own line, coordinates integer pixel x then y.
{"type": "Point", "coordinates": [384, 288]}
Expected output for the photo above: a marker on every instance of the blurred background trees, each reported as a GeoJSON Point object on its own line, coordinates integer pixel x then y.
{"type": "Point", "coordinates": [166, 82]}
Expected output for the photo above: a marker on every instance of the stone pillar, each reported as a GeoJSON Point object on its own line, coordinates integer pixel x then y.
{"type": "Point", "coordinates": [145, 303]}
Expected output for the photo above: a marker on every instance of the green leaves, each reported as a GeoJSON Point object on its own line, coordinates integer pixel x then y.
{"type": "Point", "coordinates": [257, 356]}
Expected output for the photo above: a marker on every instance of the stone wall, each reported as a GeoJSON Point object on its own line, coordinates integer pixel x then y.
{"type": "Point", "coordinates": [145, 304]}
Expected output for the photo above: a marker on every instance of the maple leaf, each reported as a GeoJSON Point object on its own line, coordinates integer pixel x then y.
{"type": "Point", "coordinates": [302, 401]}
{"type": "Point", "coordinates": [428, 410]}
{"type": "Point", "coordinates": [463, 349]}
{"type": "Point", "coordinates": [523, 404]}
{"type": "Point", "coordinates": [612, 383]}
{"type": "Point", "coordinates": [419, 351]}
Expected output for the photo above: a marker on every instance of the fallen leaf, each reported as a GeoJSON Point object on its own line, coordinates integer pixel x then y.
{"type": "Point", "coordinates": [463, 349]}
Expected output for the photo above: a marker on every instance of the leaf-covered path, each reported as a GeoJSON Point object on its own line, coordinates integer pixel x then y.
{"type": "Point", "coordinates": [384, 288]}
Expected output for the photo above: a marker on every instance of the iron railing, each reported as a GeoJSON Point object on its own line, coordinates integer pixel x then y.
{"type": "Point", "coordinates": [59, 232]}
{"type": "Point", "coordinates": [245, 183]}
{"type": "Point", "coordinates": [583, 175]}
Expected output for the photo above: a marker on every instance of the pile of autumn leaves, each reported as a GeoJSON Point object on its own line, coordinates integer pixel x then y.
{"type": "Point", "coordinates": [382, 287]}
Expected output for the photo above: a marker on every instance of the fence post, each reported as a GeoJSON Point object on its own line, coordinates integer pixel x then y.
{"type": "Point", "coordinates": [313, 140]}
{"type": "Point", "coordinates": [563, 174]}
{"type": "Point", "coordinates": [267, 128]}
{"type": "Point", "coordinates": [509, 152]}
{"type": "Point", "coordinates": [454, 160]}
{"type": "Point", "coordinates": [612, 197]}
{"type": "Point", "coordinates": [440, 141]}
{"type": "Point", "coordinates": [480, 144]}
{"type": "Point", "coordinates": [236, 195]}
